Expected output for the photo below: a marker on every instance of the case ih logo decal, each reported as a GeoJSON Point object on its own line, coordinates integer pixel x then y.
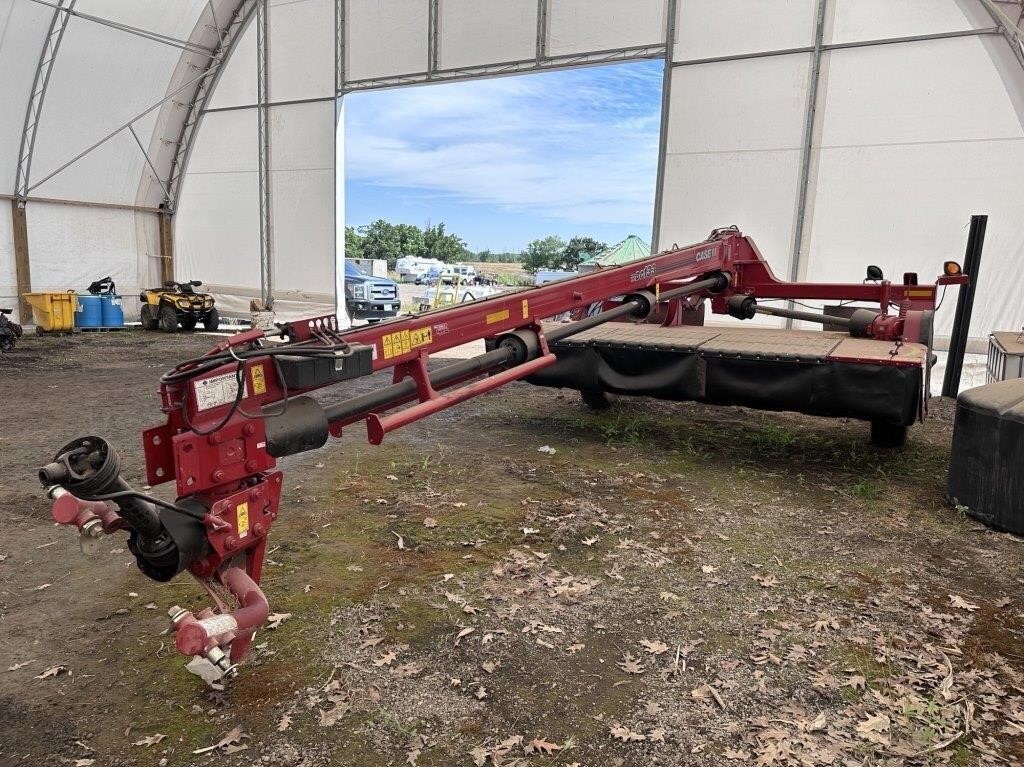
{"type": "Point", "coordinates": [643, 274]}
{"type": "Point", "coordinates": [704, 255]}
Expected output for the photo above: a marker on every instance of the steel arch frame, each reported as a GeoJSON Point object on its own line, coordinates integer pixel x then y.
{"type": "Point", "coordinates": [240, 17]}
{"type": "Point", "coordinates": [37, 98]}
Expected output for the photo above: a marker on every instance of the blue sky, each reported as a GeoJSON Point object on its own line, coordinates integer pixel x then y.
{"type": "Point", "coordinates": [507, 160]}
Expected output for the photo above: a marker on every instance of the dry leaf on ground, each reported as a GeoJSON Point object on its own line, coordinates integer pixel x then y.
{"type": "Point", "coordinates": [654, 648]}
{"type": "Point", "coordinates": [230, 743]}
{"type": "Point", "coordinates": [630, 665]}
{"type": "Point", "coordinates": [541, 747]}
{"type": "Point", "coordinates": [624, 734]}
{"type": "Point", "coordinates": [150, 740]}
{"type": "Point", "coordinates": [274, 620]}
{"type": "Point", "coordinates": [53, 671]}
{"type": "Point", "coordinates": [961, 604]}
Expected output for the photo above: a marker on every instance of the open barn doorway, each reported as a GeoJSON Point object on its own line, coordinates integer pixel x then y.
{"type": "Point", "coordinates": [513, 176]}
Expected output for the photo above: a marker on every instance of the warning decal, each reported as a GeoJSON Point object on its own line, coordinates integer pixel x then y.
{"type": "Point", "coordinates": [404, 341]}
{"type": "Point", "coordinates": [259, 383]}
{"type": "Point", "coordinates": [217, 391]}
{"type": "Point", "coordinates": [242, 517]}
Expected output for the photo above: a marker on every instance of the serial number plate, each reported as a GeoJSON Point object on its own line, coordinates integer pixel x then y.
{"type": "Point", "coordinates": [216, 391]}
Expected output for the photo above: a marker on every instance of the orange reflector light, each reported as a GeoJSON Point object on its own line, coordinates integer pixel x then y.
{"type": "Point", "coordinates": [951, 268]}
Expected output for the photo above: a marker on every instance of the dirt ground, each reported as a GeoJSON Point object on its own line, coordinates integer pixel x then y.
{"type": "Point", "coordinates": [668, 585]}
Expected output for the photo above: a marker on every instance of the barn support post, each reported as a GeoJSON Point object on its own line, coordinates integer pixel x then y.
{"type": "Point", "coordinates": [166, 247]}
{"type": "Point", "coordinates": [22, 264]}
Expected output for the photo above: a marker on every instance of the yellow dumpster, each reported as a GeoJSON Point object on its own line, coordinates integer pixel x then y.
{"type": "Point", "coordinates": [53, 312]}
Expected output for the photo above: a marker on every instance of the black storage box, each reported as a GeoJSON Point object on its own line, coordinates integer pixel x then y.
{"type": "Point", "coordinates": [313, 372]}
{"type": "Point", "coordinates": [986, 469]}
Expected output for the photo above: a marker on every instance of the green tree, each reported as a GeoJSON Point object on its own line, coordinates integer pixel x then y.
{"type": "Point", "coordinates": [437, 243]}
{"type": "Point", "coordinates": [410, 240]}
{"type": "Point", "coordinates": [578, 249]}
{"type": "Point", "coordinates": [353, 243]}
{"type": "Point", "coordinates": [484, 256]}
{"type": "Point", "coordinates": [390, 242]}
{"type": "Point", "coordinates": [378, 240]}
{"type": "Point", "coordinates": [543, 254]}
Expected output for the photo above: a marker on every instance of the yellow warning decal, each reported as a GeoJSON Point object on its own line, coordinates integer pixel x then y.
{"type": "Point", "coordinates": [242, 515]}
{"type": "Point", "coordinates": [497, 316]}
{"type": "Point", "coordinates": [920, 293]}
{"type": "Point", "coordinates": [259, 383]}
{"type": "Point", "coordinates": [420, 337]}
{"type": "Point", "coordinates": [657, 292]}
{"type": "Point", "coordinates": [526, 309]}
{"type": "Point", "coordinates": [404, 341]}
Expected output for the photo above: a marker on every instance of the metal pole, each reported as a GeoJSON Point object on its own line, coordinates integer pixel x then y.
{"type": "Point", "coordinates": [666, 102]}
{"type": "Point", "coordinates": [265, 191]}
{"type": "Point", "coordinates": [840, 46]}
{"type": "Point", "coordinates": [964, 308]}
{"type": "Point", "coordinates": [195, 102]}
{"type": "Point", "coordinates": [542, 30]}
{"type": "Point", "coordinates": [432, 37]}
{"type": "Point", "coordinates": [143, 33]}
{"type": "Point", "coordinates": [149, 162]}
{"type": "Point", "coordinates": [114, 132]}
{"type": "Point", "coordinates": [807, 150]}
{"type": "Point", "coordinates": [34, 110]}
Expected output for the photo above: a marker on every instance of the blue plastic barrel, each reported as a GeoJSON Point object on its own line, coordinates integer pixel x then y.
{"type": "Point", "coordinates": [112, 312]}
{"type": "Point", "coordinates": [89, 313]}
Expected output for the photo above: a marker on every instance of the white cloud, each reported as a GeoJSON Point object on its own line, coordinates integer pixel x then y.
{"type": "Point", "coordinates": [579, 146]}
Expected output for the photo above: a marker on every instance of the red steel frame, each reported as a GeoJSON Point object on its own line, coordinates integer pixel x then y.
{"type": "Point", "coordinates": [229, 472]}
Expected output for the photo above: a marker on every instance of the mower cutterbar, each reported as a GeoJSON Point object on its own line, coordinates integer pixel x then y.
{"type": "Point", "coordinates": [232, 412]}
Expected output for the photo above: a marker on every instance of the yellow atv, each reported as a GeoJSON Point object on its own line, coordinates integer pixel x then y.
{"type": "Point", "coordinates": [177, 303]}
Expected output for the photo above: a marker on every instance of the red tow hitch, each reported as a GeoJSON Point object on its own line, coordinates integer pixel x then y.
{"type": "Point", "coordinates": [208, 633]}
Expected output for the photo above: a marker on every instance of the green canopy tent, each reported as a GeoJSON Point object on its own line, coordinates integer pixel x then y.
{"type": "Point", "coordinates": [630, 249]}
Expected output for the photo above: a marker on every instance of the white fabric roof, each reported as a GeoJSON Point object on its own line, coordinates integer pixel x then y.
{"type": "Point", "coordinates": [907, 137]}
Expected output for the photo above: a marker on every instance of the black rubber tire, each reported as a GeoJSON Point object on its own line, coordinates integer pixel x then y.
{"type": "Point", "coordinates": [884, 434]}
{"type": "Point", "coordinates": [149, 320]}
{"type": "Point", "coordinates": [167, 319]}
{"type": "Point", "coordinates": [596, 400]}
{"type": "Point", "coordinates": [189, 323]}
{"type": "Point", "coordinates": [212, 320]}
